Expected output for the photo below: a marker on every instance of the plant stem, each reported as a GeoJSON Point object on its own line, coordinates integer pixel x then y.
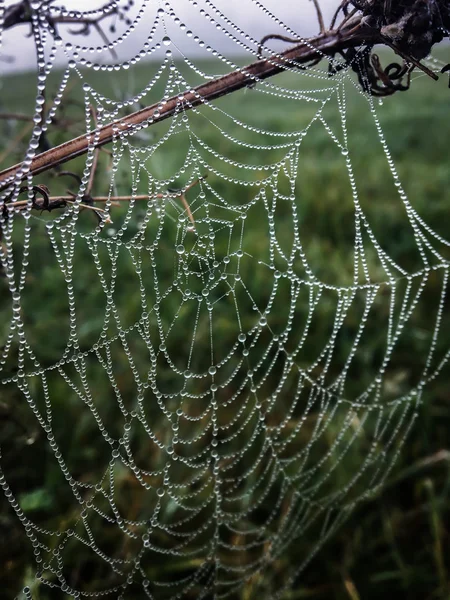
{"type": "Point", "coordinates": [325, 44]}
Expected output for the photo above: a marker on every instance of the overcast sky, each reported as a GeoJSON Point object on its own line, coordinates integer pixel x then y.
{"type": "Point", "coordinates": [299, 15]}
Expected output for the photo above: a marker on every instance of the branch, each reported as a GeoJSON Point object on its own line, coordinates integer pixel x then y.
{"type": "Point", "coordinates": [326, 44]}
{"type": "Point", "coordinates": [400, 26]}
{"type": "Point", "coordinates": [50, 203]}
{"type": "Point", "coordinates": [20, 13]}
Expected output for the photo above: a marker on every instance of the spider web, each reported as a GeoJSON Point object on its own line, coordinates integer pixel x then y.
{"type": "Point", "coordinates": [228, 390]}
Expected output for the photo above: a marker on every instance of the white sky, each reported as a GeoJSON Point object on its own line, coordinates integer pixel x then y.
{"type": "Point", "coordinates": [298, 14]}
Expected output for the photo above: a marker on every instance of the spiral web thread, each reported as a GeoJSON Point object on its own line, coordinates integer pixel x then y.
{"type": "Point", "coordinates": [225, 385]}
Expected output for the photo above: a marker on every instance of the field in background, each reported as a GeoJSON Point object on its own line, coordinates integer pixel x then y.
{"type": "Point", "coordinates": [398, 544]}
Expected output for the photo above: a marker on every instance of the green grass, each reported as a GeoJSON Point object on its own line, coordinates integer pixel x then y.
{"type": "Point", "coordinates": [397, 543]}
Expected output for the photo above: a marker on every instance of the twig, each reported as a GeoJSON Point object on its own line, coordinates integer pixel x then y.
{"type": "Point", "coordinates": [319, 16]}
{"type": "Point", "coordinates": [336, 14]}
{"type": "Point", "coordinates": [19, 13]}
{"type": "Point", "coordinates": [114, 200]}
{"type": "Point", "coordinates": [188, 210]}
{"type": "Point", "coordinates": [22, 204]}
{"type": "Point", "coordinates": [15, 116]}
{"type": "Point", "coordinates": [275, 36]}
{"type": "Point", "coordinates": [95, 161]}
{"type": "Point", "coordinates": [94, 208]}
{"type": "Point", "coordinates": [348, 18]}
{"type": "Point", "coordinates": [105, 40]}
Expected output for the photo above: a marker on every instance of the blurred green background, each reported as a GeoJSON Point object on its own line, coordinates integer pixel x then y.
{"type": "Point", "coordinates": [397, 543]}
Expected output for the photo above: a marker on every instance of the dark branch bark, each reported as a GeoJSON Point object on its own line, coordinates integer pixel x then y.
{"type": "Point", "coordinates": [327, 43]}
{"type": "Point", "coordinates": [410, 28]}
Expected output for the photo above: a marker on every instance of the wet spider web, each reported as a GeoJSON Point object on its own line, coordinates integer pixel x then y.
{"type": "Point", "coordinates": [231, 390]}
